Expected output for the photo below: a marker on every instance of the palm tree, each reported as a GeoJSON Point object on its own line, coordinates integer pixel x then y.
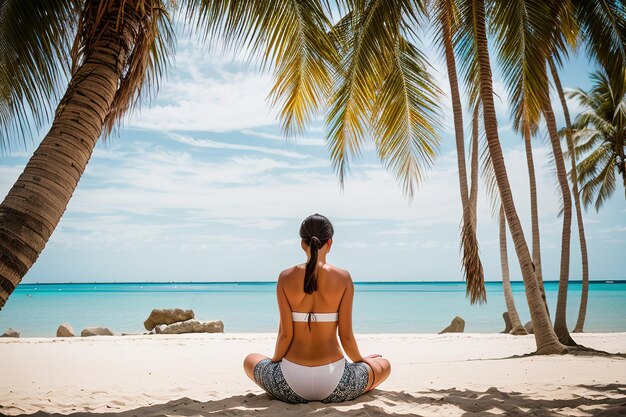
{"type": "Point", "coordinates": [372, 37]}
{"type": "Point", "coordinates": [122, 46]}
{"type": "Point", "coordinates": [517, 327]}
{"type": "Point", "coordinates": [580, 322]}
{"type": "Point", "coordinates": [600, 138]}
{"type": "Point", "coordinates": [111, 59]}
{"type": "Point", "coordinates": [603, 31]}
{"type": "Point", "coordinates": [446, 17]}
{"type": "Point", "coordinates": [560, 319]}
{"type": "Point", "coordinates": [521, 29]}
{"type": "Point", "coordinates": [476, 37]}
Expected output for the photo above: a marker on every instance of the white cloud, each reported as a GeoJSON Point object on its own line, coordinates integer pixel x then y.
{"type": "Point", "coordinates": [297, 141]}
{"type": "Point", "coordinates": [208, 143]}
{"type": "Point", "coordinates": [208, 91]}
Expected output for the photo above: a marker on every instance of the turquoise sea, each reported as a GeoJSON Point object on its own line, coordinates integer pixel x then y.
{"type": "Point", "coordinates": [381, 307]}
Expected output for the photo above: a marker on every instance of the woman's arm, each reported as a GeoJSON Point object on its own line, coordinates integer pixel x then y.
{"type": "Point", "coordinates": [285, 332]}
{"type": "Point", "coordinates": [346, 335]}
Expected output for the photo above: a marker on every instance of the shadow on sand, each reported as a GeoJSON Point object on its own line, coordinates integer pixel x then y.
{"type": "Point", "coordinates": [599, 400]}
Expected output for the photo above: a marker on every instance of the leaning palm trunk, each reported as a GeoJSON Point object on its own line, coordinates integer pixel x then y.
{"type": "Point", "coordinates": [472, 267]}
{"type": "Point", "coordinates": [473, 196]}
{"type": "Point", "coordinates": [545, 338]}
{"type": "Point", "coordinates": [560, 323]}
{"type": "Point", "coordinates": [534, 214]}
{"type": "Point", "coordinates": [516, 324]}
{"type": "Point", "coordinates": [33, 207]}
{"type": "Point", "coordinates": [582, 312]}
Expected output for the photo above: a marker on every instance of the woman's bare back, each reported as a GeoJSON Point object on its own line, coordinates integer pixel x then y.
{"type": "Point", "coordinates": [316, 344]}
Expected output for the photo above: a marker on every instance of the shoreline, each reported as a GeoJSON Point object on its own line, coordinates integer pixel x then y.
{"type": "Point", "coordinates": [431, 375]}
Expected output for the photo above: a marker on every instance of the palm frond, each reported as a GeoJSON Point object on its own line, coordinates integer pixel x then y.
{"type": "Point", "coordinates": [584, 141]}
{"type": "Point", "coordinates": [601, 186]}
{"type": "Point", "coordinates": [405, 117]}
{"type": "Point", "coordinates": [378, 61]}
{"type": "Point", "coordinates": [523, 31]}
{"type": "Point", "coordinates": [35, 40]}
{"type": "Point", "coordinates": [290, 36]}
{"type": "Point", "coordinates": [596, 161]}
{"type": "Point", "coordinates": [603, 30]}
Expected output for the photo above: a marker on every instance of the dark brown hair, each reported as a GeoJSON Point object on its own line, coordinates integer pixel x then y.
{"type": "Point", "coordinates": [315, 231]}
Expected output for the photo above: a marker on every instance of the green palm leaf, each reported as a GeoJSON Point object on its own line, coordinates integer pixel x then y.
{"type": "Point", "coordinates": [35, 40]}
{"type": "Point", "coordinates": [382, 88]}
{"type": "Point", "coordinates": [406, 112]}
{"type": "Point", "coordinates": [291, 36]}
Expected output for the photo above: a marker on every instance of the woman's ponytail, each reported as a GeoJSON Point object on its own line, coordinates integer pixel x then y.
{"type": "Point", "coordinates": [310, 279]}
{"type": "Point", "coordinates": [316, 231]}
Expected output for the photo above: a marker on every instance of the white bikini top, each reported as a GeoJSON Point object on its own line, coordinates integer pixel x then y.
{"type": "Point", "coordinates": [319, 317]}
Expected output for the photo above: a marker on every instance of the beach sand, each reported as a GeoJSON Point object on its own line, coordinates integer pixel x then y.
{"type": "Point", "coordinates": [201, 374]}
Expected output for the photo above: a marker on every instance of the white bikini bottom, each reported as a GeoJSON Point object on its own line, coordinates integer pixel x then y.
{"type": "Point", "coordinates": [313, 383]}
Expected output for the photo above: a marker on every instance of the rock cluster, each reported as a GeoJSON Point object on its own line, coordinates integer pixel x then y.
{"type": "Point", "coordinates": [177, 321]}
{"type": "Point", "coordinates": [168, 316]}
{"type": "Point", "coordinates": [457, 326]}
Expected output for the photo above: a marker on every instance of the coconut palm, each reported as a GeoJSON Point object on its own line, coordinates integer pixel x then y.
{"type": "Point", "coordinates": [600, 138]}
{"type": "Point", "coordinates": [521, 30]}
{"type": "Point", "coordinates": [580, 322]}
{"type": "Point", "coordinates": [560, 322]}
{"type": "Point", "coordinates": [516, 324]}
{"type": "Point", "coordinates": [445, 15]}
{"type": "Point", "coordinates": [120, 50]}
{"type": "Point", "coordinates": [476, 38]}
{"type": "Point", "coordinates": [603, 32]}
{"type": "Point", "coordinates": [371, 37]}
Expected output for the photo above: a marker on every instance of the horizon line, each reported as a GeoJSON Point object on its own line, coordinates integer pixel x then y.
{"type": "Point", "coordinates": [274, 282]}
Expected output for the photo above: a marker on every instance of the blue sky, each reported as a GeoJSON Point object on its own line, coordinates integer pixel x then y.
{"type": "Point", "coordinates": [201, 186]}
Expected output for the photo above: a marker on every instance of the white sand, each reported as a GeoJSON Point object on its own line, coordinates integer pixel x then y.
{"type": "Point", "coordinates": [432, 375]}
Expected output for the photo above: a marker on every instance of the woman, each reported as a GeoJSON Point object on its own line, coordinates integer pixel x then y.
{"type": "Point", "coordinates": [315, 302]}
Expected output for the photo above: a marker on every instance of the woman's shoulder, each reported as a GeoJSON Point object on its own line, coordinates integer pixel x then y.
{"type": "Point", "coordinates": [339, 272]}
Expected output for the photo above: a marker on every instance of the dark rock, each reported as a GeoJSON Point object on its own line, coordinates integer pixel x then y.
{"type": "Point", "coordinates": [65, 330]}
{"type": "Point", "coordinates": [457, 326]}
{"type": "Point", "coordinates": [11, 333]}
{"type": "Point", "coordinates": [507, 323]}
{"type": "Point", "coordinates": [529, 327]}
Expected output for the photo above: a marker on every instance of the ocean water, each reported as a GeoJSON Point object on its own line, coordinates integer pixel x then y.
{"type": "Point", "coordinates": [390, 307]}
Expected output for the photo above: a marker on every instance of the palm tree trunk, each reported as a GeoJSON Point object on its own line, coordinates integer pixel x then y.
{"type": "Point", "coordinates": [516, 324]}
{"type": "Point", "coordinates": [471, 260]}
{"type": "Point", "coordinates": [582, 312]}
{"type": "Point", "coordinates": [33, 207]}
{"type": "Point", "coordinates": [560, 323]}
{"type": "Point", "coordinates": [473, 196]}
{"type": "Point", "coordinates": [534, 214]}
{"type": "Point", "coordinates": [545, 338]}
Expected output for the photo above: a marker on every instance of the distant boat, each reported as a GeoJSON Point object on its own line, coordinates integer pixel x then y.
{"type": "Point", "coordinates": [609, 282]}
